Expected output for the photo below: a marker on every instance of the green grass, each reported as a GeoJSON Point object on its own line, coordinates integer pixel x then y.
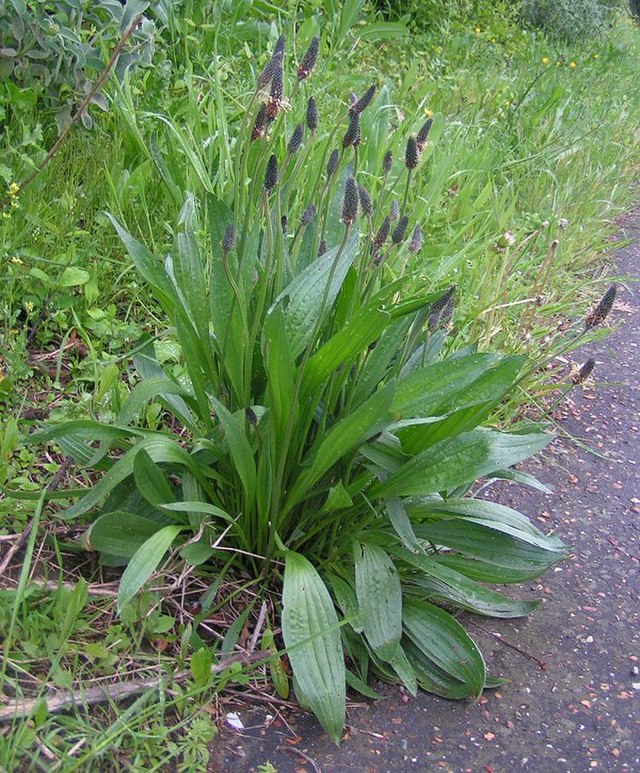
{"type": "Point", "coordinates": [519, 144]}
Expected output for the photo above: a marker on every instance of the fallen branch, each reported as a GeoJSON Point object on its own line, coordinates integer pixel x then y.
{"type": "Point", "coordinates": [58, 702]}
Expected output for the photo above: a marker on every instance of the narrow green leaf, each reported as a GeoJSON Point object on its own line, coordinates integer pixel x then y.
{"type": "Point", "coordinates": [144, 563]}
{"type": "Point", "coordinates": [240, 449]}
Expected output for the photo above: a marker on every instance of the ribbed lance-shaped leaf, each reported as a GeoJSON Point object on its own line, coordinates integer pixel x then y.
{"type": "Point", "coordinates": [150, 480]}
{"type": "Point", "coordinates": [461, 460]}
{"type": "Point", "coordinates": [312, 637]}
{"type": "Point", "coordinates": [443, 583]}
{"type": "Point", "coordinates": [280, 368]}
{"type": "Point", "coordinates": [422, 390]}
{"type": "Point", "coordinates": [149, 368]}
{"type": "Point", "coordinates": [149, 389]}
{"type": "Point", "coordinates": [160, 449]}
{"type": "Point", "coordinates": [405, 671]}
{"type": "Point", "coordinates": [120, 533]}
{"type": "Point", "coordinates": [145, 561]}
{"type": "Point", "coordinates": [477, 541]}
{"type": "Point", "coordinates": [489, 514]}
{"type": "Point", "coordinates": [380, 600]}
{"type": "Point", "coordinates": [149, 266]}
{"type": "Point", "coordinates": [349, 433]}
{"type": "Point", "coordinates": [485, 571]}
{"type": "Point", "coordinates": [240, 449]}
{"type": "Point", "coordinates": [444, 641]}
{"type": "Point", "coordinates": [306, 293]}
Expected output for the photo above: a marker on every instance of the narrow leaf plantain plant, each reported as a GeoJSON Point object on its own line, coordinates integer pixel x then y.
{"type": "Point", "coordinates": [322, 433]}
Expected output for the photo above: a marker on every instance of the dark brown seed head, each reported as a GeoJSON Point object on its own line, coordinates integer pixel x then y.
{"type": "Point", "coordinates": [387, 161]}
{"type": "Point", "coordinates": [382, 234]}
{"type": "Point", "coordinates": [365, 100]}
{"type": "Point", "coordinates": [332, 163]}
{"type": "Point", "coordinates": [277, 85]}
{"type": "Point", "coordinates": [322, 248]}
{"type": "Point", "coordinates": [260, 123]}
{"type": "Point", "coordinates": [309, 59]}
{"type": "Point", "coordinates": [365, 200]}
{"type": "Point", "coordinates": [312, 114]}
{"type": "Point", "coordinates": [350, 203]}
{"type": "Point", "coordinates": [279, 46]}
{"type": "Point", "coordinates": [416, 240]}
{"type": "Point", "coordinates": [229, 239]}
{"type": "Point", "coordinates": [394, 212]}
{"type": "Point", "coordinates": [400, 231]}
{"type": "Point", "coordinates": [269, 70]}
{"type": "Point", "coordinates": [271, 175]}
{"type": "Point", "coordinates": [284, 224]}
{"type": "Point", "coordinates": [307, 215]}
{"type": "Point", "coordinates": [600, 313]}
{"type": "Point", "coordinates": [411, 154]}
{"type": "Point", "coordinates": [585, 371]}
{"type": "Point", "coordinates": [296, 139]}
{"type": "Point", "coordinates": [423, 134]}
{"type": "Point", "coordinates": [353, 135]}
{"type": "Point", "coordinates": [442, 309]}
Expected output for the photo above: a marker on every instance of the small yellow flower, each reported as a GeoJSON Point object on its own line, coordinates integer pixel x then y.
{"type": "Point", "coordinates": [545, 60]}
{"type": "Point", "coordinates": [572, 65]}
{"type": "Point", "coordinates": [6, 215]}
{"type": "Point", "coordinates": [28, 306]}
{"type": "Point", "coordinates": [596, 56]}
{"type": "Point", "coordinates": [478, 30]}
{"type": "Point", "coordinates": [16, 261]}
{"type": "Point", "coordinates": [14, 190]}
{"type": "Point", "coordinates": [428, 113]}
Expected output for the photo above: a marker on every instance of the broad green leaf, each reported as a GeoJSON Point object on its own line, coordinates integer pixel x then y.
{"type": "Point", "coordinates": [485, 571]}
{"type": "Point", "coordinates": [402, 524]}
{"type": "Point", "coordinates": [121, 533]}
{"type": "Point", "coordinates": [149, 389]}
{"type": "Point", "coordinates": [313, 292]}
{"type": "Point", "coordinates": [312, 637]}
{"type": "Point", "coordinates": [462, 460]}
{"type": "Point", "coordinates": [444, 641]}
{"type": "Point", "coordinates": [430, 676]}
{"type": "Point", "coordinates": [197, 553]}
{"type": "Point", "coordinates": [379, 596]}
{"type": "Point", "coordinates": [144, 563]}
{"type": "Point", "coordinates": [347, 601]}
{"type": "Point", "coordinates": [150, 480]}
{"type": "Point", "coordinates": [201, 663]}
{"type": "Point", "coordinates": [73, 276]}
